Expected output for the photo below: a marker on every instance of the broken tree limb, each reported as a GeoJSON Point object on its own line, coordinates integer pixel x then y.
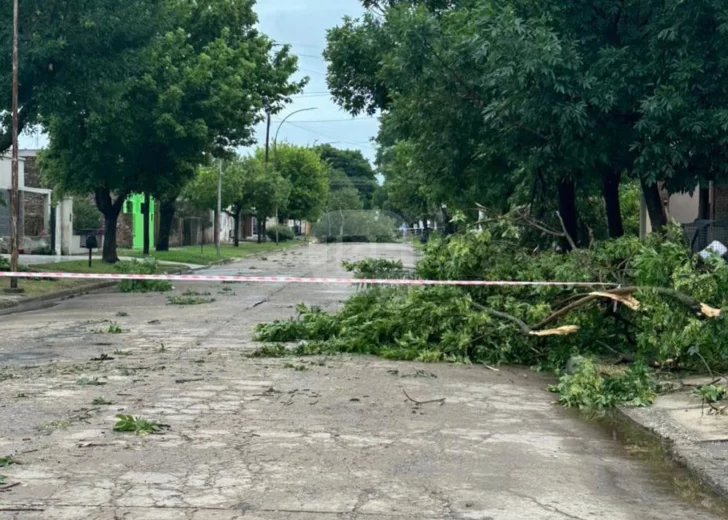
{"type": "Point", "coordinates": [688, 301]}
{"type": "Point", "coordinates": [498, 314]}
{"type": "Point", "coordinates": [441, 400]}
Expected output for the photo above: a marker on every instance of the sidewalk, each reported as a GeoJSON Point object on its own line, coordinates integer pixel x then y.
{"type": "Point", "coordinates": [30, 260]}
{"type": "Point", "coordinates": [695, 436]}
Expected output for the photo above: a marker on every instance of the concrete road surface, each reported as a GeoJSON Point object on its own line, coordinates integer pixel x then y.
{"type": "Point", "coordinates": [287, 439]}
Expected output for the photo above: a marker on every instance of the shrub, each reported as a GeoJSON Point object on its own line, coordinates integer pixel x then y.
{"type": "Point", "coordinates": [284, 233]}
{"type": "Point", "coordinates": [146, 266]}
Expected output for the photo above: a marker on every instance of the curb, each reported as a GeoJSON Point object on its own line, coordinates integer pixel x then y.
{"type": "Point", "coordinates": [18, 306]}
{"type": "Point", "coordinates": [15, 306]}
{"type": "Point", "coordinates": [706, 461]}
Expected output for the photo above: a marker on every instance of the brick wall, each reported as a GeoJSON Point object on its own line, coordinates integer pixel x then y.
{"type": "Point", "coordinates": [720, 203]}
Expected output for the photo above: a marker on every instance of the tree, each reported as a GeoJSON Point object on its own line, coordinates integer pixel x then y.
{"type": "Point", "coordinates": [194, 93]}
{"type": "Point", "coordinates": [307, 173]}
{"type": "Point", "coordinates": [202, 190]}
{"type": "Point", "coordinates": [67, 48]}
{"type": "Point", "coordinates": [542, 100]}
{"type": "Point", "coordinates": [356, 168]}
{"type": "Point", "coordinates": [266, 190]}
{"type": "Point", "coordinates": [261, 191]}
{"type": "Point", "coordinates": [342, 200]}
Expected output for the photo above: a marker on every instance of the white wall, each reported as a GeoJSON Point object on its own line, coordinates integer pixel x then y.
{"type": "Point", "coordinates": [6, 164]}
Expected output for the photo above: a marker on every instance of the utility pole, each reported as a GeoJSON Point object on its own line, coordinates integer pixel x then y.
{"type": "Point", "coordinates": [267, 155]}
{"type": "Point", "coordinates": [219, 209]}
{"type": "Point", "coordinates": [14, 240]}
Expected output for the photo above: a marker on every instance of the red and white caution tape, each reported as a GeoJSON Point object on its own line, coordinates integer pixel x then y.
{"type": "Point", "coordinates": [294, 279]}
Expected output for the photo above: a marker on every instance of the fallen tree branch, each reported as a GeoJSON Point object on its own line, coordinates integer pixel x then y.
{"type": "Point", "coordinates": [498, 314]}
{"type": "Point", "coordinates": [441, 400]}
{"type": "Point", "coordinates": [566, 233]}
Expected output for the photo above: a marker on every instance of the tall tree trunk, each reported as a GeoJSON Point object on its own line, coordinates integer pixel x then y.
{"type": "Point", "coordinates": [167, 208]}
{"type": "Point", "coordinates": [704, 203]}
{"type": "Point", "coordinates": [567, 211]}
{"type": "Point", "coordinates": [610, 192]}
{"type": "Point", "coordinates": [655, 207]}
{"type": "Point", "coordinates": [110, 209]}
{"type": "Point", "coordinates": [236, 228]}
{"type": "Point", "coordinates": [146, 211]}
{"type": "Point", "coordinates": [259, 225]}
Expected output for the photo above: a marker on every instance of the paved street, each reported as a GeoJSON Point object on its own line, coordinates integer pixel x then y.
{"type": "Point", "coordinates": [291, 438]}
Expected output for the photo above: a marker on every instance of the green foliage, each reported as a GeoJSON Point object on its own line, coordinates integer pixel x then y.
{"type": "Point", "coordinates": [502, 103]}
{"type": "Point", "coordinates": [280, 232]}
{"type": "Point", "coordinates": [137, 425]}
{"type": "Point", "coordinates": [374, 268]}
{"type": "Point", "coordinates": [492, 324]}
{"type": "Point", "coordinates": [114, 328]}
{"type": "Point", "coordinates": [86, 216]}
{"type": "Point", "coordinates": [189, 299]}
{"type": "Point", "coordinates": [7, 461]}
{"type": "Point", "coordinates": [193, 92]}
{"type": "Point", "coordinates": [307, 174]}
{"type": "Point", "coordinates": [592, 389]}
{"type": "Point", "coordinates": [356, 171]}
{"type": "Point", "coordinates": [100, 401]}
{"type": "Point", "coordinates": [65, 52]}
{"type": "Point", "coordinates": [146, 266]}
{"type": "Point", "coordinates": [711, 393]}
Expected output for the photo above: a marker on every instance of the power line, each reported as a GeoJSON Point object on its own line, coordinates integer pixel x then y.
{"type": "Point", "coordinates": [367, 145]}
{"type": "Point", "coordinates": [312, 71]}
{"type": "Point", "coordinates": [320, 94]}
{"type": "Point", "coordinates": [367, 118]}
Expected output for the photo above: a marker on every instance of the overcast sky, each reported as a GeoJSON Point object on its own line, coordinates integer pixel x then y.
{"type": "Point", "coordinates": [303, 23]}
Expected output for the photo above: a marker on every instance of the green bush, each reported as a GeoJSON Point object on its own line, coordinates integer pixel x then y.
{"type": "Point", "coordinates": [146, 266]}
{"type": "Point", "coordinates": [592, 389]}
{"type": "Point", "coordinates": [284, 233]}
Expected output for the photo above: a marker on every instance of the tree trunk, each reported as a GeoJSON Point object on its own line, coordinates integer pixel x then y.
{"type": "Point", "coordinates": [259, 226]}
{"type": "Point", "coordinates": [655, 207]}
{"type": "Point", "coordinates": [110, 209]}
{"type": "Point", "coordinates": [236, 227]}
{"type": "Point", "coordinates": [567, 211]}
{"type": "Point", "coordinates": [167, 209]}
{"type": "Point", "coordinates": [145, 215]}
{"type": "Point", "coordinates": [610, 192]}
{"type": "Point", "coordinates": [265, 230]}
{"type": "Point", "coordinates": [704, 203]}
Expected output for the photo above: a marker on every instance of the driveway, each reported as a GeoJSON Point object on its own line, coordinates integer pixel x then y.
{"type": "Point", "coordinates": [291, 438]}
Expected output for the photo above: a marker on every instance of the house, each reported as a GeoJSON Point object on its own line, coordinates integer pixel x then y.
{"type": "Point", "coordinates": [684, 208]}
{"type": "Point", "coordinates": [34, 206]}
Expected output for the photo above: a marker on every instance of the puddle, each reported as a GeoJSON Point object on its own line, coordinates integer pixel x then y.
{"type": "Point", "coordinates": [637, 443]}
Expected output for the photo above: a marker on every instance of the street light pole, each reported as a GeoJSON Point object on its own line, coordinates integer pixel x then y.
{"type": "Point", "coordinates": [275, 140]}
{"type": "Point", "coordinates": [14, 241]}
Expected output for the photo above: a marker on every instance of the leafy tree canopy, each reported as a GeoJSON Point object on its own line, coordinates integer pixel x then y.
{"type": "Point", "coordinates": [308, 176]}
{"type": "Point", "coordinates": [354, 166]}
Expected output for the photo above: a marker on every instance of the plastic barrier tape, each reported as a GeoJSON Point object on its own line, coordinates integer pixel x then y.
{"type": "Point", "coordinates": [293, 279]}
